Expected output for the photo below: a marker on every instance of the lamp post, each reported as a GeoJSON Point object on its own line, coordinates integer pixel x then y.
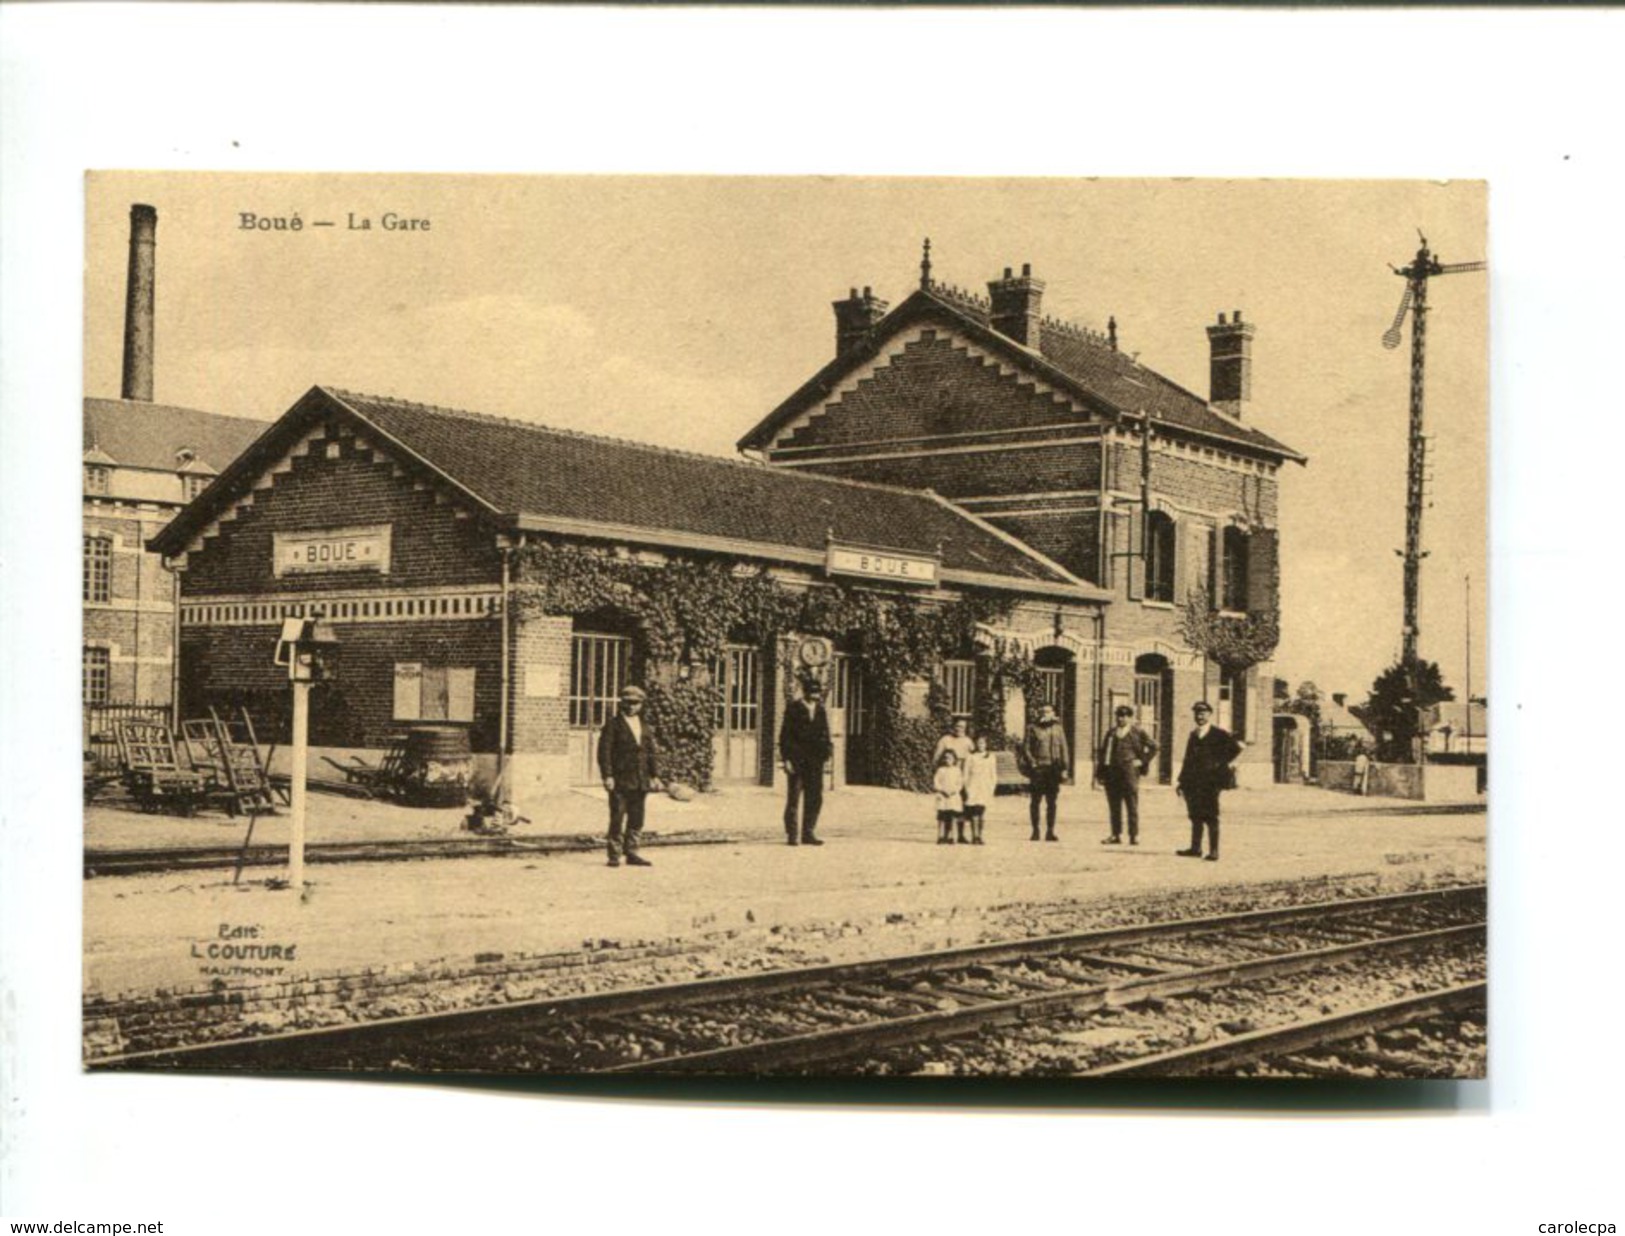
{"type": "Point", "coordinates": [306, 648]}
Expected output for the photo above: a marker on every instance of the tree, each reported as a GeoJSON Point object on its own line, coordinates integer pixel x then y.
{"type": "Point", "coordinates": [1306, 702]}
{"type": "Point", "coordinates": [1399, 696]}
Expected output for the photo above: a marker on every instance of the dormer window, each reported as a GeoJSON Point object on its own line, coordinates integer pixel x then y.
{"type": "Point", "coordinates": [97, 478]}
{"type": "Point", "coordinates": [192, 484]}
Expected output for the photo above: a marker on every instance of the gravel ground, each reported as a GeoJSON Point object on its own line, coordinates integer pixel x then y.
{"type": "Point", "coordinates": [880, 887]}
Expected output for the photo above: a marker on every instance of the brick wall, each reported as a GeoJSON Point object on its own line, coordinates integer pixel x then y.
{"type": "Point", "coordinates": [136, 624]}
{"type": "Point", "coordinates": [934, 387]}
{"type": "Point", "coordinates": [430, 545]}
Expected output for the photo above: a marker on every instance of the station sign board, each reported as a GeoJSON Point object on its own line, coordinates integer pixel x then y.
{"type": "Point", "coordinates": [886, 564]}
{"type": "Point", "coordinates": [330, 550]}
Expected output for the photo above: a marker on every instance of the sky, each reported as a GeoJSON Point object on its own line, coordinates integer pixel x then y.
{"type": "Point", "coordinates": [680, 310]}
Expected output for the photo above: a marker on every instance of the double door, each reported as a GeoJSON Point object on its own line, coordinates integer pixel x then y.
{"type": "Point", "coordinates": [737, 730]}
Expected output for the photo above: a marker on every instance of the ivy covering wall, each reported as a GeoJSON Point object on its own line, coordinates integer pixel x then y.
{"type": "Point", "coordinates": [681, 612]}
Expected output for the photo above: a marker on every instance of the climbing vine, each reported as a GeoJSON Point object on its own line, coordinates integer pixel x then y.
{"type": "Point", "coordinates": [1235, 641]}
{"type": "Point", "coordinates": [683, 611]}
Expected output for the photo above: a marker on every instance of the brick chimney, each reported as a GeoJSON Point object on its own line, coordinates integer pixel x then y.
{"type": "Point", "coordinates": [1230, 376]}
{"type": "Point", "coordinates": [1015, 303]}
{"type": "Point", "coordinates": [138, 303]}
{"type": "Point", "coordinates": [855, 319]}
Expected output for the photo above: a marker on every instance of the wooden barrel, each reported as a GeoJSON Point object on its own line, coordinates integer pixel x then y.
{"type": "Point", "coordinates": [439, 765]}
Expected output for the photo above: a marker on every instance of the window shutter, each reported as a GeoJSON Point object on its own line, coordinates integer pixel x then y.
{"type": "Point", "coordinates": [460, 694]}
{"type": "Point", "coordinates": [1214, 545]}
{"type": "Point", "coordinates": [1261, 570]}
{"type": "Point", "coordinates": [408, 690]}
{"type": "Point", "coordinates": [434, 693]}
{"type": "Point", "coordinates": [1134, 544]}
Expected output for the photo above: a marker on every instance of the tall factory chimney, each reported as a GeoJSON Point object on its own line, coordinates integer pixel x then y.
{"type": "Point", "coordinates": [138, 303]}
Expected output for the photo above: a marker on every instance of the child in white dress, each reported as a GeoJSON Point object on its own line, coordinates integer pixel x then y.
{"type": "Point", "coordinates": [949, 784]}
{"type": "Point", "coordinates": [981, 779]}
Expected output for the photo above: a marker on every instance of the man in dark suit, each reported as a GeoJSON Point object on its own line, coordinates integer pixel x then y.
{"type": "Point", "coordinates": [805, 747]}
{"type": "Point", "coordinates": [1125, 756]}
{"type": "Point", "coordinates": [1210, 758]}
{"type": "Point", "coordinates": [628, 762]}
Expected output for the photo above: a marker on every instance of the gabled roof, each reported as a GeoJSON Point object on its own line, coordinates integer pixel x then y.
{"type": "Point", "coordinates": [132, 434]}
{"type": "Point", "coordinates": [526, 476]}
{"type": "Point", "coordinates": [1070, 358]}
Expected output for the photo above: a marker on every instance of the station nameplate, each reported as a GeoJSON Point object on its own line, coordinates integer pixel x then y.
{"type": "Point", "coordinates": [337, 549]}
{"type": "Point", "coordinates": [876, 564]}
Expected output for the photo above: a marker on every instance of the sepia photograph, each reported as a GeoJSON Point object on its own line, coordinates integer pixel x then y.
{"type": "Point", "coordinates": [786, 627]}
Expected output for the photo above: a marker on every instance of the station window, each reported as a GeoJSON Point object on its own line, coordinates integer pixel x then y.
{"type": "Point", "coordinates": [1159, 557]}
{"type": "Point", "coordinates": [1233, 577]}
{"type": "Point", "coordinates": [959, 680]}
{"type": "Point", "coordinates": [98, 569]}
{"type": "Point", "coordinates": [433, 692]}
{"type": "Point", "coordinates": [96, 679]}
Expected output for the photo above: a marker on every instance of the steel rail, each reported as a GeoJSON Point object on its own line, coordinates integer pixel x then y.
{"type": "Point", "coordinates": [1299, 1036]}
{"type": "Point", "coordinates": [824, 1046]}
{"type": "Point", "coordinates": [524, 1014]}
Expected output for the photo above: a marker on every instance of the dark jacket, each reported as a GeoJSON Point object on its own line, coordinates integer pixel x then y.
{"type": "Point", "coordinates": [1207, 761]}
{"type": "Point", "coordinates": [620, 756]}
{"type": "Point", "coordinates": [1129, 755]}
{"type": "Point", "coordinates": [805, 741]}
{"type": "Point", "coordinates": [1045, 748]}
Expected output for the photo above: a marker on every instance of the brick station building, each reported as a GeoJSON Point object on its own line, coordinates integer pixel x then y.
{"type": "Point", "coordinates": [1036, 425]}
{"type": "Point", "coordinates": [403, 525]}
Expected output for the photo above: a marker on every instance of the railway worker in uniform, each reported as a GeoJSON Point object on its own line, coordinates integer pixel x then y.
{"type": "Point", "coordinates": [628, 761]}
{"type": "Point", "coordinates": [1045, 757]}
{"type": "Point", "coordinates": [1208, 770]}
{"type": "Point", "coordinates": [1124, 757]}
{"type": "Point", "coordinates": [805, 746]}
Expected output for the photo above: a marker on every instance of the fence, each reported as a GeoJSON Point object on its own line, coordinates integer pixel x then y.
{"type": "Point", "coordinates": [101, 722]}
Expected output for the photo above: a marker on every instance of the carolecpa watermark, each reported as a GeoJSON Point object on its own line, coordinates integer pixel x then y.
{"type": "Point", "coordinates": [1568, 1229]}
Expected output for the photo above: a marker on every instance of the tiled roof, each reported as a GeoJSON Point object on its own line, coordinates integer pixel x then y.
{"type": "Point", "coordinates": [153, 435]}
{"type": "Point", "coordinates": [526, 474]}
{"type": "Point", "coordinates": [1069, 356]}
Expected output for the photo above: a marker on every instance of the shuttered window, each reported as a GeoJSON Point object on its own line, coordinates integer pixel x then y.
{"type": "Point", "coordinates": [1159, 557]}
{"type": "Point", "coordinates": [433, 692]}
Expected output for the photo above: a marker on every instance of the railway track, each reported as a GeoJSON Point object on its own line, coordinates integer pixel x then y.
{"type": "Point", "coordinates": [843, 1018]}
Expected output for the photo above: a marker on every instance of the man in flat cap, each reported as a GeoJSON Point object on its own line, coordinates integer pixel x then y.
{"type": "Point", "coordinates": [628, 761]}
{"type": "Point", "coordinates": [805, 746]}
{"type": "Point", "coordinates": [1210, 761]}
{"type": "Point", "coordinates": [1124, 757]}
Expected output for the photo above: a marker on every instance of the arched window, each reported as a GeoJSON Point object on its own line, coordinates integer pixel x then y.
{"type": "Point", "coordinates": [1159, 557]}
{"type": "Point", "coordinates": [1233, 581]}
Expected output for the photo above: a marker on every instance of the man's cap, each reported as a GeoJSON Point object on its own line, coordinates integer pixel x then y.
{"type": "Point", "coordinates": [1123, 710]}
{"type": "Point", "coordinates": [633, 695]}
{"type": "Point", "coordinates": [1201, 706]}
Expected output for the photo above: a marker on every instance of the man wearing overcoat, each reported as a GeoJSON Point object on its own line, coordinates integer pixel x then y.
{"type": "Point", "coordinates": [628, 761]}
{"type": "Point", "coordinates": [1044, 758]}
{"type": "Point", "coordinates": [1210, 757]}
{"type": "Point", "coordinates": [805, 746]}
{"type": "Point", "coordinates": [1125, 756]}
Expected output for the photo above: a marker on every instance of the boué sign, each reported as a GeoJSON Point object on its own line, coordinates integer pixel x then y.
{"type": "Point", "coordinates": [331, 549]}
{"type": "Point", "coordinates": [880, 564]}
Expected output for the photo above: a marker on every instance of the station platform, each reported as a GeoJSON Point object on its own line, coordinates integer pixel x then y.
{"type": "Point", "coordinates": [880, 884]}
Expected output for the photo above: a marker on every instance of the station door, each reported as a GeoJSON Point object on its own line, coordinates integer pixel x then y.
{"type": "Point", "coordinates": [599, 668]}
{"type": "Point", "coordinates": [845, 720]}
{"type": "Point", "coordinates": [1155, 717]}
{"type": "Point", "coordinates": [737, 675]}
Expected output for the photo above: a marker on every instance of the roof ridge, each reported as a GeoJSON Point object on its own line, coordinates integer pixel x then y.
{"type": "Point", "coordinates": [178, 407]}
{"type": "Point", "coordinates": [648, 447]}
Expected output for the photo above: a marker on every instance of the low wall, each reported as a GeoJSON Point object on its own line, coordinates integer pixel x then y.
{"type": "Point", "coordinates": [1431, 783]}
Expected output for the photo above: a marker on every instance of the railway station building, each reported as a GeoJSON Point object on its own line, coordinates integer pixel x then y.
{"type": "Point", "coordinates": [511, 578]}
{"type": "Point", "coordinates": [1158, 497]}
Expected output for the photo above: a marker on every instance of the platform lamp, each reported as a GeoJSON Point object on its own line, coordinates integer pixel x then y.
{"type": "Point", "coordinates": [308, 648]}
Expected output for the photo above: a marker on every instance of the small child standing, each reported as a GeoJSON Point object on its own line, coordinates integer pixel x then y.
{"type": "Point", "coordinates": [949, 784]}
{"type": "Point", "coordinates": [981, 779]}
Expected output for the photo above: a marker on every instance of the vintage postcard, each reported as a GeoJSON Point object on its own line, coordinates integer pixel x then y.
{"type": "Point", "coordinates": [785, 627]}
